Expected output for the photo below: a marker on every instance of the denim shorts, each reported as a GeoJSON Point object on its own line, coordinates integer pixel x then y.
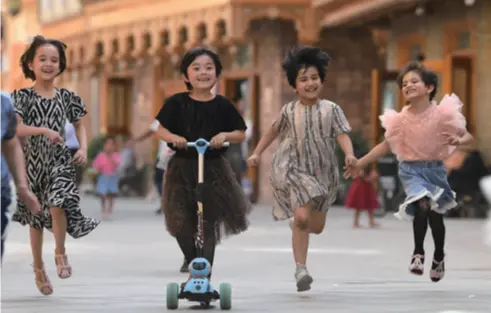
{"type": "Point", "coordinates": [107, 184]}
{"type": "Point", "coordinates": [425, 179]}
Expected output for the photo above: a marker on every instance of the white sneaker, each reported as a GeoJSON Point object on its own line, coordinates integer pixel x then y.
{"type": "Point", "coordinates": [304, 280]}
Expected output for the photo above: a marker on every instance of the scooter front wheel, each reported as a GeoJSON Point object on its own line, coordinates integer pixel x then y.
{"type": "Point", "coordinates": [172, 296]}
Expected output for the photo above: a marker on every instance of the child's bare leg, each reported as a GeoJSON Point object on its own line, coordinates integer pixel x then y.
{"type": "Point", "coordinates": [371, 217]}
{"type": "Point", "coordinates": [317, 222]}
{"type": "Point", "coordinates": [42, 281]}
{"type": "Point", "coordinates": [300, 244]}
{"type": "Point", "coordinates": [110, 204]}
{"type": "Point", "coordinates": [300, 236]}
{"type": "Point", "coordinates": [103, 205]}
{"type": "Point", "coordinates": [356, 219]}
{"type": "Point", "coordinates": [58, 216]}
{"type": "Point", "coordinates": [36, 238]}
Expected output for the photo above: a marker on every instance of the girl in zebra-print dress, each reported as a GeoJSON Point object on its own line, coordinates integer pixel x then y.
{"type": "Point", "coordinates": [42, 111]}
{"type": "Point", "coordinates": [305, 174]}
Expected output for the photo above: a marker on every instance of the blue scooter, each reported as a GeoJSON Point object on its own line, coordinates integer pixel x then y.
{"type": "Point", "coordinates": [198, 288]}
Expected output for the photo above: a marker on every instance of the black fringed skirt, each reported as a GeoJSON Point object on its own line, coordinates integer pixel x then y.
{"type": "Point", "coordinates": [225, 205]}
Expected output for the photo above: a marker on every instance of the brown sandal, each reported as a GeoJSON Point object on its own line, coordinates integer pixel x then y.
{"type": "Point", "coordinates": [63, 268]}
{"type": "Point", "coordinates": [44, 285]}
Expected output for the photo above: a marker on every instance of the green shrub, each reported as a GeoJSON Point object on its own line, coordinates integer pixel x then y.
{"type": "Point", "coordinates": [95, 146]}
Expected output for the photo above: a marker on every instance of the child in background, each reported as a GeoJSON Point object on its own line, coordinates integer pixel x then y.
{"type": "Point", "coordinates": [107, 164]}
{"type": "Point", "coordinates": [363, 197]}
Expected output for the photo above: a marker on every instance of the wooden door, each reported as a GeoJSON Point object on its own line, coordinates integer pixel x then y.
{"type": "Point", "coordinates": [459, 73]}
{"type": "Point", "coordinates": [385, 95]}
{"type": "Point", "coordinates": [119, 108]}
{"type": "Point", "coordinates": [253, 115]}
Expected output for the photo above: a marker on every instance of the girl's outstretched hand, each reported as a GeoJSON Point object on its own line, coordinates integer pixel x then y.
{"type": "Point", "coordinates": [253, 160]}
{"type": "Point", "coordinates": [350, 160]}
{"type": "Point", "coordinates": [351, 170]}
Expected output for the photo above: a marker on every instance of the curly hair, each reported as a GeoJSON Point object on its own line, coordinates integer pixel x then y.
{"type": "Point", "coordinates": [428, 77]}
{"type": "Point", "coordinates": [191, 55]}
{"type": "Point", "coordinates": [302, 58]}
{"type": "Point", "coordinates": [28, 56]}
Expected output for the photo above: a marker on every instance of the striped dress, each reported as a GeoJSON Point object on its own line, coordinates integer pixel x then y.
{"type": "Point", "coordinates": [304, 168]}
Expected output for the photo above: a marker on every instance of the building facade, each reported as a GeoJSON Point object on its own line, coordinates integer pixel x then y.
{"type": "Point", "coordinates": [454, 36]}
{"type": "Point", "coordinates": [123, 57]}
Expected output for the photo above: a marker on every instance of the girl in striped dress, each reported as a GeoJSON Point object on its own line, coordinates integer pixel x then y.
{"type": "Point", "coordinates": [304, 172]}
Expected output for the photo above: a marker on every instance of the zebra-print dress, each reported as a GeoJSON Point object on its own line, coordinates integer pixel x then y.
{"type": "Point", "coordinates": [49, 167]}
{"type": "Point", "coordinates": [304, 168]}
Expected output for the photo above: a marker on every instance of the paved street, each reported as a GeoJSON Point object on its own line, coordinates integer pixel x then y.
{"type": "Point", "coordinates": [125, 265]}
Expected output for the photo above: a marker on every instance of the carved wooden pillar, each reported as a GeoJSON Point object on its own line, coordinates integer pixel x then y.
{"type": "Point", "coordinates": [193, 36]}
{"type": "Point", "coordinates": [307, 28]}
{"type": "Point", "coordinates": [231, 61]}
{"type": "Point", "coordinates": [173, 28]}
{"type": "Point", "coordinates": [155, 45]}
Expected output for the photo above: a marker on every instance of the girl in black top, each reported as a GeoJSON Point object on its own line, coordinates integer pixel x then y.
{"type": "Point", "coordinates": [186, 117]}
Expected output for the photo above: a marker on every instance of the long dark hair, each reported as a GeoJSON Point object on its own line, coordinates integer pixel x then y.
{"type": "Point", "coordinates": [28, 56]}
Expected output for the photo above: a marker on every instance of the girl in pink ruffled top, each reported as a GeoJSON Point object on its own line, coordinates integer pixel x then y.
{"type": "Point", "coordinates": [107, 163]}
{"type": "Point", "coordinates": [421, 136]}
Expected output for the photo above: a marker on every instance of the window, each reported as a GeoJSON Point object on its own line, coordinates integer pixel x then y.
{"type": "Point", "coordinates": [58, 8]}
{"type": "Point", "coordinates": [244, 57]}
{"type": "Point", "coordinates": [414, 51]}
{"type": "Point", "coordinates": [46, 5]}
{"type": "Point", "coordinates": [73, 6]}
{"type": "Point", "coordinates": [391, 94]}
{"type": "Point", "coordinates": [464, 40]}
{"type": "Point", "coordinates": [165, 39]}
{"type": "Point", "coordinates": [45, 10]}
{"type": "Point", "coordinates": [52, 10]}
{"type": "Point", "coordinates": [439, 90]}
{"type": "Point", "coordinates": [94, 103]}
{"type": "Point", "coordinates": [5, 62]}
{"type": "Point", "coordinates": [183, 35]}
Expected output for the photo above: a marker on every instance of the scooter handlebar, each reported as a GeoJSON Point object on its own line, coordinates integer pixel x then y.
{"type": "Point", "coordinates": [204, 143]}
{"type": "Point", "coordinates": [225, 144]}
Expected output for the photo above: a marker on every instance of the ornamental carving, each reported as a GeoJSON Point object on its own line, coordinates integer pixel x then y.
{"type": "Point", "coordinates": [219, 26]}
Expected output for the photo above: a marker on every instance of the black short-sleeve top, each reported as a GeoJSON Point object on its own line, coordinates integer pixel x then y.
{"type": "Point", "coordinates": [192, 119]}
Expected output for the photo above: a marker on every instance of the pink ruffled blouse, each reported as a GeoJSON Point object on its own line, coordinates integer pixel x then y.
{"type": "Point", "coordinates": [419, 137]}
{"type": "Point", "coordinates": [105, 164]}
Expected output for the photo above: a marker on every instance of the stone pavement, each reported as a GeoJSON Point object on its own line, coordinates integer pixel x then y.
{"type": "Point", "coordinates": [125, 265]}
